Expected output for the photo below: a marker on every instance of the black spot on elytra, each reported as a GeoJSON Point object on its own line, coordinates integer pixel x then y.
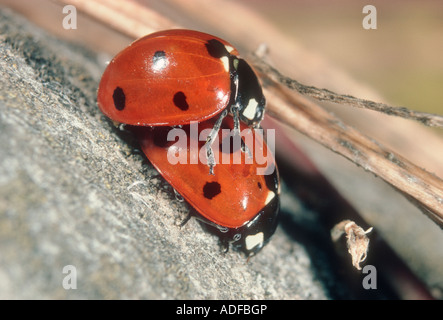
{"type": "Point", "coordinates": [180, 101]}
{"type": "Point", "coordinates": [211, 189]}
{"type": "Point", "coordinates": [259, 185]}
{"type": "Point", "coordinates": [216, 48]}
{"type": "Point", "coordinates": [119, 98]}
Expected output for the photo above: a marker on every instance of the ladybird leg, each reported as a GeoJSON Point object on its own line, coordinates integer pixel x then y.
{"type": "Point", "coordinates": [185, 220]}
{"type": "Point", "coordinates": [224, 246]}
{"type": "Point", "coordinates": [210, 140]}
{"type": "Point", "coordinates": [235, 108]}
{"type": "Point", "coordinates": [178, 196]}
{"type": "Point", "coordinates": [235, 113]}
{"type": "Point", "coordinates": [210, 156]}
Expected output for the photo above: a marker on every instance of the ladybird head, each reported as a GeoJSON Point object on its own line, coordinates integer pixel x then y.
{"type": "Point", "coordinates": [257, 232]}
{"type": "Point", "coordinates": [250, 98]}
{"type": "Point", "coordinates": [252, 236]}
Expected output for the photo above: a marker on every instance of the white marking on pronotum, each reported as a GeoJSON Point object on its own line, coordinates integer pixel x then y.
{"type": "Point", "coordinates": [251, 108]}
{"type": "Point", "coordinates": [269, 197]}
{"type": "Point", "coordinates": [225, 61]}
{"type": "Point", "coordinates": [254, 240]}
{"type": "Point", "coordinates": [229, 48]}
{"type": "Point", "coordinates": [235, 63]}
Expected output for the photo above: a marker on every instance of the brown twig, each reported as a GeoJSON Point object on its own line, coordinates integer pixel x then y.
{"type": "Point", "coordinates": [428, 119]}
{"type": "Point", "coordinates": [424, 189]}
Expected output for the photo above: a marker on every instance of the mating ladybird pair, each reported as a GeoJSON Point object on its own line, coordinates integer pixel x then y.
{"type": "Point", "coordinates": [180, 77]}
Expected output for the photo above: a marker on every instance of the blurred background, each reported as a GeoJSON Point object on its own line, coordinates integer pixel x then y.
{"type": "Point", "coordinates": [402, 59]}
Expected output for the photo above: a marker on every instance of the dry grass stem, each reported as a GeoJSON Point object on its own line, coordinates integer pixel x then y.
{"type": "Point", "coordinates": [428, 119]}
{"type": "Point", "coordinates": [424, 189]}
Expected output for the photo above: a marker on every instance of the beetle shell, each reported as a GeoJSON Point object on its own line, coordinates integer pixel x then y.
{"type": "Point", "coordinates": [170, 77]}
{"type": "Point", "coordinates": [236, 197]}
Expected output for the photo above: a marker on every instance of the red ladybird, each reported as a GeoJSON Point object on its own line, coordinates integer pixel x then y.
{"type": "Point", "coordinates": [182, 78]}
{"type": "Point", "coordinates": [240, 201]}
{"type": "Point", "coordinates": [174, 77]}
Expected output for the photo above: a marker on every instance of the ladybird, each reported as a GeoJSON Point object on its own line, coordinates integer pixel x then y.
{"type": "Point", "coordinates": [174, 77]}
{"type": "Point", "coordinates": [240, 202]}
{"type": "Point", "coordinates": [174, 80]}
